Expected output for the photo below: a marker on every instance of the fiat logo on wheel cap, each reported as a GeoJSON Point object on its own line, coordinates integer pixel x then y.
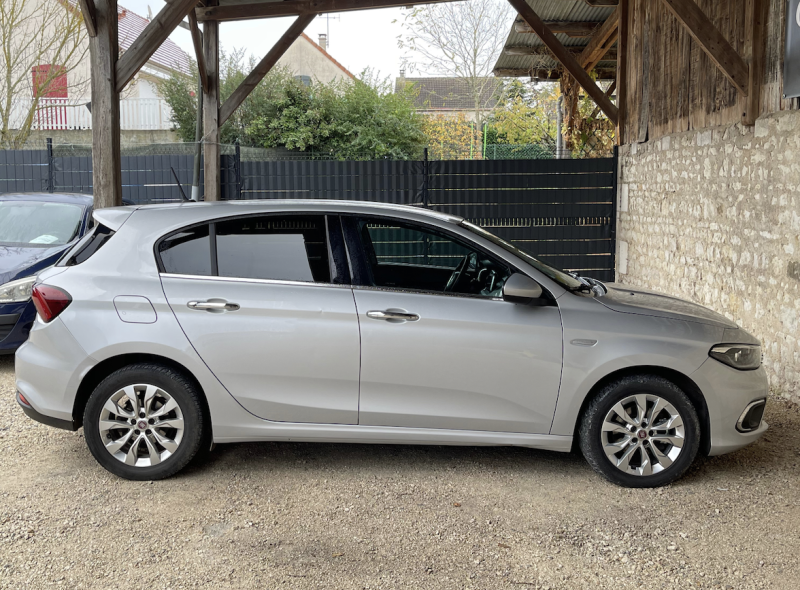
{"type": "Point", "coordinates": [641, 434]}
{"type": "Point", "coordinates": [142, 425]}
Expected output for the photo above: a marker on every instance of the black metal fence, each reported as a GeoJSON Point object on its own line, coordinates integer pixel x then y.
{"type": "Point", "coordinates": [561, 211]}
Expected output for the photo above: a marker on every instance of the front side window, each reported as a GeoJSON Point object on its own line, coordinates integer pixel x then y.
{"type": "Point", "coordinates": [271, 247]}
{"type": "Point", "coordinates": [409, 256]}
{"type": "Point", "coordinates": [32, 224]}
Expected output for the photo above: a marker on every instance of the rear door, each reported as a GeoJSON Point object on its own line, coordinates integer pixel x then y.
{"type": "Point", "coordinates": [266, 303]}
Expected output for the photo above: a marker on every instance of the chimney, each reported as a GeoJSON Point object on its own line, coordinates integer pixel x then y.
{"type": "Point", "coordinates": [402, 73]}
{"type": "Point", "coordinates": [323, 41]}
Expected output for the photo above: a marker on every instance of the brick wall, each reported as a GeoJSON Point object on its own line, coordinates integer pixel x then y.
{"type": "Point", "coordinates": [713, 216]}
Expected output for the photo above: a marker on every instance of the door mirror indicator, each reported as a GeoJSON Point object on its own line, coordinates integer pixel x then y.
{"type": "Point", "coordinates": [520, 288]}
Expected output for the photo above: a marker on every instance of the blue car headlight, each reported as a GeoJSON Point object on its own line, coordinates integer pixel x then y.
{"type": "Point", "coordinates": [17, 291]}
{"type": "Point", "coordinates": [744, 357]}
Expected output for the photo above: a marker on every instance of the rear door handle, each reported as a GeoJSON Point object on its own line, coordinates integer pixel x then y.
{"type": "Point", "coordinates": [391, 315]}
{"type": "Point", "coordinates": [213, 305]}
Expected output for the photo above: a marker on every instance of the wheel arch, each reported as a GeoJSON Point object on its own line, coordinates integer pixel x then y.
{"type": "Point", "coordinates": [683, 381]}
{"type": "Point", "coordinates": [107, 366]}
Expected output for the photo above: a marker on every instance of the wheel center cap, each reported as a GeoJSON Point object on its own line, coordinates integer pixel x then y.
{"type": "Point", "coordinates": [642, 434]}
{"type": "Point", "coordinates": [142, 425]}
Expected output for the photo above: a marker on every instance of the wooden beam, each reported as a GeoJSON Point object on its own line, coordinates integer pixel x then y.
{"type": "Point", "coordinates": [609, 93]}
{"type": "Point", "coordinates": [197, 41]}
{"type": "Point", "coordinates": [565, 58]}
{"type": "Point", "coordinates": [149, 40]}
{"type": "Point", "coordinates": [233, 12]}
{"type": "Point", "coordinates": [211, 125]}
{"type": "Point", "coordinates": [602, 2]}
{"type": "Point", "coordinates": [622, 69]}
{"type": "Point", "coordinates": [106, 154]}
{"type": "Point", "coordinates": [571, 29]}
{"type": "Point", "coordinates": [758, 28]}
{"type": "Point", "coordinates": [264, 66]}
{"type": "Point", "coordinates": [611, 55]}
{"type": "Point", "coordinates": [711, 41]}
{"type": "Point", "coordinates": [600, 42]}
{"type": "Point", "coordinates": [87, 8]}
{"type": "Point", "coordinates": [544, 74]}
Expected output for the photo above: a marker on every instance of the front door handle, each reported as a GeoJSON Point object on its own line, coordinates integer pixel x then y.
{"type": "Point", "coordinates": [391, 315]}
{"type": "Point", "coordinates": [213, 305]}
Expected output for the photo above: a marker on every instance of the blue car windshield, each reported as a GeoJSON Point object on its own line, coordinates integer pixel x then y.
{"type": "Point", "coordinates": [38, 224]}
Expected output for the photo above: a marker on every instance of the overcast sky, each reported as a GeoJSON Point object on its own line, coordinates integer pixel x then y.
{"type": "Point", "coordinates": [359, 39]}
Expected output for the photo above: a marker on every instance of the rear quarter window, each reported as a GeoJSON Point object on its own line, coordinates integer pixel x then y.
{"type": "Point", "coordinates": [87, 246]}
{"type": "Point", "coordinates": [187, 252]}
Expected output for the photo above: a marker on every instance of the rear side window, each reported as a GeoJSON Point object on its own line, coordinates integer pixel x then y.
{"type": "Point", "coordinates": [187, 252]}
{"type": "Point", "coordinates": [273, 247]}
{"type": "Point", "coordinates": [289, 248]}
{"type": "Point", "coordinates": [88, 245]}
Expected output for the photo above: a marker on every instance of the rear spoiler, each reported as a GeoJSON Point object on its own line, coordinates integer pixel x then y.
{"type": "Point", "coordinates": [113, 217]}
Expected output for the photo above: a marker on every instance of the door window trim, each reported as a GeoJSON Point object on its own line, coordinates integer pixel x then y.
{"type": "Point", "coordinates": [212, 235]}
{"type": "Point", "coordinates": [354, 244]}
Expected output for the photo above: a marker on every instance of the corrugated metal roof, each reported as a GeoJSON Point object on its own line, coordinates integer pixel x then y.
{"type": "Point", "coordinates": [551, 10]}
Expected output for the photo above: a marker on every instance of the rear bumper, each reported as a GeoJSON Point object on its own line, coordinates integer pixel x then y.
{"type": "Point", "coordinates": [47, 420]}
{"type": "Point", "coordinates": [727, 393]}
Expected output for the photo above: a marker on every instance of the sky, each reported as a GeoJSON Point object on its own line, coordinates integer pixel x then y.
{"type": "Point", "coordinates": [357, 40]}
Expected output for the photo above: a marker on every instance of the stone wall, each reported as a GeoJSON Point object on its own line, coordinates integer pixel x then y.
{"type": "Point", "coordinates": [713, 216]}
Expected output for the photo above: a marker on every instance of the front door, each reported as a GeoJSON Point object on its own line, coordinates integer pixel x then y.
{"type": "Point", "coordinates": [265, 303]}
{"type": "Point", "coordinates": [439, 346]}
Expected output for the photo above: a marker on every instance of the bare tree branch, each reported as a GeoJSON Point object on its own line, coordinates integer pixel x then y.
{"type": "Point", "coordinates": [36, 33]}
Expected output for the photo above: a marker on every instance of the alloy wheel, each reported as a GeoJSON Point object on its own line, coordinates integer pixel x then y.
{"type": "Point", "coordinates": [141, 425]}
{"type": "Point", "coordinates": [643, 434]}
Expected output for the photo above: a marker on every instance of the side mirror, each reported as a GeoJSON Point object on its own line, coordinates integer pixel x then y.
{"type": "Point", "coordinates": [520, 288]}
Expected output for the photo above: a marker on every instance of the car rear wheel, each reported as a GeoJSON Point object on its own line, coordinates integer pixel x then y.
{"type": "Point", "coordinates": [144, 422]}
{"type": "Point", "coordinates": [640, 431]}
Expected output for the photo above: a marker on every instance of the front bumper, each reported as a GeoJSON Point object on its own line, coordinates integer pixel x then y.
{"type": "Point", "coordinates": [16, 320]}
{"type": "Point", "coordinates": [727, 393]}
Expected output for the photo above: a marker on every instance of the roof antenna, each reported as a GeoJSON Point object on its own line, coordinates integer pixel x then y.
{"type": "Point", "coordinates": [183, 194]}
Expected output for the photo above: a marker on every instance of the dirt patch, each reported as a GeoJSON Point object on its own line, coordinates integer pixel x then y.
{"type": "Point", "coordinates": [374, 516]}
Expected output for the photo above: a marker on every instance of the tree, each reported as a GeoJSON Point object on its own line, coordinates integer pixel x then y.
{"type": "Point", "coordinates": [458, 40]}
{"type": "Point", "coordinates": [42, 43]}
{"type": "Point", "coordinates": [349, 120]}
{"type": "Point", "coordinates": [528, 114]}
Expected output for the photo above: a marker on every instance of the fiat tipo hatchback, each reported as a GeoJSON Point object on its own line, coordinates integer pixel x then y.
{"type": "Point", "coordinates": [171, 327]}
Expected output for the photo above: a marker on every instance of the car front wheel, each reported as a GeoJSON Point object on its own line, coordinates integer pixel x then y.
{"type": "Point", "coordinates": [640, 431]}
{"type": "Point", "coordinates": [144, 422]}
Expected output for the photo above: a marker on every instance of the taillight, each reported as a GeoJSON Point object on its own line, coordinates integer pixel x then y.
{"type": "Point", "coordinates": [50, 301]}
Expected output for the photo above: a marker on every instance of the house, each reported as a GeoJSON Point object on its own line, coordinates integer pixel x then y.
{"type": "Point", "coordinates": [65, 106]}
{"type": "Point", "coordinates": [453, 96]}
{"type": "Point", "coordinates": [309, 61]}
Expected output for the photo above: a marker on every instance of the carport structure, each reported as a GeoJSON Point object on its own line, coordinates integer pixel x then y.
{"type": "Point", "coordinates": [111, 72]}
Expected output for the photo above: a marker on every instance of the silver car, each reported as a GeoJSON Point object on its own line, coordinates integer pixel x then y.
{"type": "Point", "coordinates": [173, 327]}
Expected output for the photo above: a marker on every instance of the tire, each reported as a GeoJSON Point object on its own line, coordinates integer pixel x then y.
{"type": "Point", "coordinates": [162, 439]}
{"type": "Point", "coordinates": [647, 457]}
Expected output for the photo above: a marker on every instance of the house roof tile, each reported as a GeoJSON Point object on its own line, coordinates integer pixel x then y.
{"type": "Point", "coordinates": [450, 94]}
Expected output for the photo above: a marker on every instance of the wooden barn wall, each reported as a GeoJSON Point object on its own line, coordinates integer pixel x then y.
{"type": "Point", "coordinates": [674, 86]}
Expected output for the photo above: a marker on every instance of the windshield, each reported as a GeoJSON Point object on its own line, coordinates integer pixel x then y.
{"type": "Point", "coordinates": [557, 275]}
{"type": "Point", "coordinates": [38, 224]}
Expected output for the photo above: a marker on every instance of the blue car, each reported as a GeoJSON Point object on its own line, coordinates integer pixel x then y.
{"type": "Point", "coordinates": [35, 230]}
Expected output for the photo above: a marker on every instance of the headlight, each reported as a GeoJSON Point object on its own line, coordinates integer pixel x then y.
{"type": "Point", "coordinates": [739, 356]}
{"type": "Point", "coordinates": [17, 291]}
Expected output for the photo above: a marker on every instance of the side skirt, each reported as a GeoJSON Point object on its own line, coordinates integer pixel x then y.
{"type": "Point", "coordinates": [341, 433]}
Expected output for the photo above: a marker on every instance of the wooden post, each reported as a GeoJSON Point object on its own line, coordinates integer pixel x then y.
{"type": "Point", "coordinates": [106, 156]}
{"type": "Point", "coordinates": [211, 111]}
{"type": "Point", "coordinates": [622, 71]}
{"type": "Point", "coordinates": [758, 24]}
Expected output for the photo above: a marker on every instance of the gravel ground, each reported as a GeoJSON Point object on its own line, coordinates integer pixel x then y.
{"type": "Point", "coordinates": [286, 515]}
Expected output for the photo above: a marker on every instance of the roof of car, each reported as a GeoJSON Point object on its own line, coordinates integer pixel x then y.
{"type": "Point", "coordinates": [304, 204]}
{"type": "Point", "coordinates": [77, 198]}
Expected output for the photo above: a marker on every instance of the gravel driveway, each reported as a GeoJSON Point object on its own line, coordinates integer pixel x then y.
{"type": "Point", "coordinates": [280, 515]}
